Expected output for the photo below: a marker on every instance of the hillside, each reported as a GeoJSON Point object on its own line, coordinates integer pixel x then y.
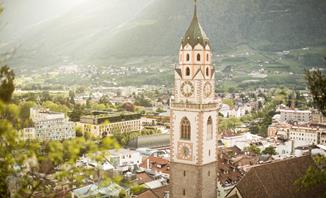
{"type": "Point", "coordinates": [266, 25]}
{"type": "Point", "coordinates": [118, 32]}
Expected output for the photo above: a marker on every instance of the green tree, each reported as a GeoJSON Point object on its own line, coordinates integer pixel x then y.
{"type": "Point", "coordinates": [72, 97]}
{"type": "Point", "coordinates": [55, 107]}
{"type": "Point", "coordinates": [231, 123]}
{"type": "Point", "coordinates": [317, 85]}
{"type": "Point", "coordinates": [229, 102]}
{"type": "Point", "coordinates": [76, 113]}
{"type": "Point", "coordinates": [136, 189]}
{"type": "Point", "coordinates": [45, 96]}
{"type": "Point", "coordinates": [105, 99]}
{"type": "Point", "coordinates": [269, 150]}
{"type": "Point", "coordinates": [31, 168]}
{"type": "Point", "coordinates": [128, 107]}
{"type": "Point", "coordinates": [314, 176]}
{"type": "Point", "coordinates": [28, 168]}
{"type": "Point", "coordinates": [142, 101]}
{"type": "Point", "coordinates": [98, 106]}
{"type": "Point", "coordinates": [24, 113]}
{"type": "Point", "coordinates": [253, 149]}
{"type": "Point", "coordinates": [7, 86]}
{"type": "Point", "coordinates": [79, 132]}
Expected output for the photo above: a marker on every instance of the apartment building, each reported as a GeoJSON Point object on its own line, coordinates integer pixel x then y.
{"type": "Point", "coordinates": [54, 129]}
{"type": "Point", "coordinates": [28, 133]}
{"type": "Point", "coordinates": [289, 115]}
{"type": "Point", "coordinates": [107, 123]}
{"type": "Point", "coordinates": [48, 125]}
{"type": "Point", "coordinates": [318, 118]}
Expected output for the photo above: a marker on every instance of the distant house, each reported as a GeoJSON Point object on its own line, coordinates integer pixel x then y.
{"type": "Point", "coordinates": [277, 179]}
{"type": "Point", "coordinates": [95, 190]}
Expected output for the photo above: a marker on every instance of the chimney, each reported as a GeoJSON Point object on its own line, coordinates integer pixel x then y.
{"type": "Point", "coordinates": [147, 163]}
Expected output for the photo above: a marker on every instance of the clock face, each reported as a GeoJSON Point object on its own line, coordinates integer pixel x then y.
{"type": "Point", "coordinates": [185, 151]}
{"type": "Point", "coordinates": [208, 89]}
{"type": "Point", "coordinates": [187, 88]}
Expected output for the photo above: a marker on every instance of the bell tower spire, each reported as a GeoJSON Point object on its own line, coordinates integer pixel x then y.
{"type": "Point", "coordinates": [195, 8]}
{"type": "Point", "coordinates": [194, 118]}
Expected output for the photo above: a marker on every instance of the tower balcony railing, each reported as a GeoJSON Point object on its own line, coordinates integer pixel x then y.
{"type": "Point", "coordinates": [182, 105]}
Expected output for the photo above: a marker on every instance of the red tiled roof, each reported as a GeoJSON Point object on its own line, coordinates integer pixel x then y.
{"type": "Point", "coordinates": [143, 178]}
{"type": "Point", "coordinates": [277, 179]}
{"type": "Point", "coordinates": [156, 164]}
{"type": "Point", "coordinates": [154, 193]}
{"type": "Point", "coordinates": [147, 194]}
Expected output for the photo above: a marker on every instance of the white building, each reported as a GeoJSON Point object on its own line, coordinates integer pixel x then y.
{"type": "Point", "coordinates": [225, 110]}
{"type": "Point", "coordinates": [54, 129]}
{"type": "Point", "coordinates": [285, 149]}
{"type": "Point", "coordinates": [303, 136]}
{"type": "Point", "coordinates": [288, 115]}
{"type": "Point", "coordinates": [241, 140]}
{"type": "Point", "coordinates": [48, 125]}
{"type": "Point", "coordinates": [125, 157]}
{"type": "Point", "coordinates": [318, 118]}
{"type": "Point", "coordinates": [28, 133]}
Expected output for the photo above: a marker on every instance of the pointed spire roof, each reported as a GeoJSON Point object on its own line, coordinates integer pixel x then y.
{"type": "Point", "coordinates": [195, 33]}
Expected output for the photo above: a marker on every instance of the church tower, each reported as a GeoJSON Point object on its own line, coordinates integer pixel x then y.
{"type": "Point", "coordinates": [194, 114]}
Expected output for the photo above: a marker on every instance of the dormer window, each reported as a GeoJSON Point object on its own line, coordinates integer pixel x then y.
{"type": "Point", "coordinates": [187, 71]}
{"type": "Point", "coordinates": [198, 57]}
{"type": "Point", "coordinates": [187, 57]}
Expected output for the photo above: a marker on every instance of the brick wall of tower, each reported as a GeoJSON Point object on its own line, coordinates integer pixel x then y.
{"type": "Point", "coordinates": [197, 181]}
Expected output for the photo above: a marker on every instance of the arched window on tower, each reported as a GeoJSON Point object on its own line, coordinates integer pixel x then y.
{"type": "Point", "coordinates": [207, 71]}
{"type": "Point", "coordinates": [187, 71]}
{"type": "Point", "coordinates": [188, 57]}
{"type": "Point", "coordinates": [207, 57]}
{"type": "Point", "coordinates": [198, 57]}
{"type": "Point", "coordinates": [209, 128]}
{"type": "Point", "coordinates": [185, 129]}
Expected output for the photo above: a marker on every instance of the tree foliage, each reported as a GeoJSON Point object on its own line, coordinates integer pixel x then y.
{"type": "Point", "coordinates": [227, 124]}
{"type": "Point", "coordinates": [142, 101]}
{"type": "Point", "coordinates": [7, 86]}
{"type": "Point", "coordinates": [229, 102]}
{"type": "Point", "coordinates": [317, 85]}
{"type": "Point", "coordinates": [56, 107]}
{"type": "Point", "coordinates": [124, 138]}
{"type": "Point", "coordinates": [30, 168]}
{"type": "Point", "coordinates": [253, 149]}
{"type": "Point", "coordinates": [314, 176]}
{"type": "Point", "coordinates": [269, 150]}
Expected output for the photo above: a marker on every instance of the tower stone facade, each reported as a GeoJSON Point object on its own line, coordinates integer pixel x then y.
{"type": "Point", "coordinates": [194, 118]}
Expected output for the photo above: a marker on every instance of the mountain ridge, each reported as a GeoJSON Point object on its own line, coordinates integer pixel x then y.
{"type": "Point", "coordinates": [156, 27]}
